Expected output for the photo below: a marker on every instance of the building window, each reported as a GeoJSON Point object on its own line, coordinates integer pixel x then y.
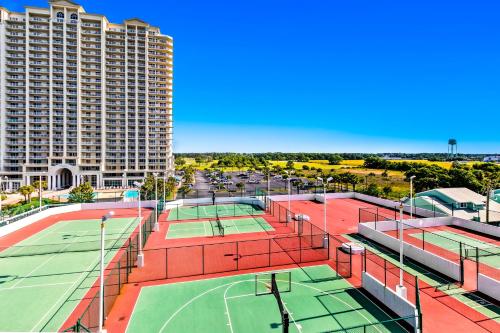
{"type": "Point", "coordinates": [60, 15]}
{"type": "Point", "coordinates": [74, 17]}
{"type": "Point", "coordinates": [463, 205]}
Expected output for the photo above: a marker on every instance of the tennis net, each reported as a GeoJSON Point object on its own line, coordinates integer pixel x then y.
{"type": "Point", "coordinates": [63, 247]}
{"type": "Point", "coordinates": [482, 252]}
{"type": "Point", "coordinates": [220, 227]}
{"type": "Point", "coordinates": [267, 283]}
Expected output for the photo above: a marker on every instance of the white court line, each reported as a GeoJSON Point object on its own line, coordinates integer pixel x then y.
{"type": "Point", "coordinates": [296, 283]}
{"type": "Point", "coordinates": [36, 286]}
{"type": "Point", "coordinates": [205, 229]}
{"type": "Point", "coordinates": [38, 236]}
{"type": "Point", "coordinates": [85, 276]}
{"type": "Point", "coordinates": [79, 279]}
{"type": "Point", "coordinates": [40, 265]}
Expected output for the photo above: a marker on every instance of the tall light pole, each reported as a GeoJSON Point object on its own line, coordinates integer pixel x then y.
{"type": "Point", "coordinates": [401, 289]}
{"type": "Point", "coordinates": [164, 191]}
{"type": "Point", "coordinates": [101, 287]}
{"type": "Point", "coordinates": [411, 196]}
{"type": "Point", "coordinates": [140, 256]}
{"type": "Point", "coordinates": [156, 226]}
{"type": "Point", "coordinates": [288, 214]}
{"type": "Point", "coordinates": [125, 178]}
{"type": "Point", "coordinates": [40, 190]}
{"type": "Point", "coordinates": [1, 188]}
{"type": "Point", "coordinates": [325, 184]}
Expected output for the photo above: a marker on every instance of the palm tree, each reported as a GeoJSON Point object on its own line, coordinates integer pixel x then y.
{"type": "Point", "coordinates": [26, 191]}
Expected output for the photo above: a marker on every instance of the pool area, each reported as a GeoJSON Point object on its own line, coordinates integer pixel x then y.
{"type": "Point", "coordinates": [130, 194]}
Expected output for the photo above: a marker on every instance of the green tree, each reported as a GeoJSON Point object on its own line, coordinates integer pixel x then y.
{"type": "Point", "coordinates": [387, 190]}
{"type": "Point", "coordinates": [184, 190]}
{"type": "Point", "coordinates": [372, 190]}
{"type": "Point", "coordinates": [82, 193]}
{"type": "Point", "coordinates": [305, 167]}
{"type": "Point", "coordinates": [335, 159]}
{"type": "Point", "coordinates": [36, 185]}
{"type": "Point", "coordinates": [353, 179]}
{"type": "Point", "coordinates": [180, 162]}
{"type": "Point", "coordinates": [26, 192]}
{"type": "Point", "coordinates": [290, 165]}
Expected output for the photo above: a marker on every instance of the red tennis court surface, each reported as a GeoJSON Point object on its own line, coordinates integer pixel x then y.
{"type": "Point", "coordinates": [342, 214]}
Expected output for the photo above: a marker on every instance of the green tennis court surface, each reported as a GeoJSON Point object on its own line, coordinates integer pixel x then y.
{"type": "Point", "coordinates": [450, 240]}
{"type": "Point", "coordinates": [318, 302]}
{"type": "Point", "coordinates": [211, 211]}
{"type": "Point", "coordinates": [209, 228]}
{"type": "Point", "coordinates": [45, 276]}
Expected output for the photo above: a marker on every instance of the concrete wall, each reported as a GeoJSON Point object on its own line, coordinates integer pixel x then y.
{"type": "Point", "coordinates": [437, 263]}
{"type": "Point", "coordinates": [389, 298]}
{"type": "Point", "coordinates": [9, 228]}
{"type": "Point", "coordinates": [484, 228]}
{"type": "Point", "coordinates": [488, 286]}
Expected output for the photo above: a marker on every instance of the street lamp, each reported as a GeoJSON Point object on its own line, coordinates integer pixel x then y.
{"type": "Point", "coordinates": [40, 190]}
{"type": "Point", "coordinates": [325, 184]}
{"type": "Point", "coordinates": [164, 190]}
{"type": "Point", "coordinates": [1, 188]}
{"type": "Point", "coordinates": [140, 256]}
{"type": "Point", "coordinates": [411, 196]}
{"type": "Point", "coordinates": [288, 214]}
{"type": "Point", "coordinates": [401, 289]}
{"type": "Point", "coordinates": [125, 177]}
{"type": "Point", "coordinates": [156, 226]}
{"type": "Point", "coordinates": [101, 287]}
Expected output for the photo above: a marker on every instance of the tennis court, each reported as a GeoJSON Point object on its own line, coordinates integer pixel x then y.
{"type": "Point", "coordinates": [450, 241]}
{"type": "Point", "coordinates": [210, 228]}
{"type": "Point", "coordinates": [317, 301]}
{"type": "Point", "coordinates": [45, 276]}
{"type": "Point", "coordinates": [211, 211]}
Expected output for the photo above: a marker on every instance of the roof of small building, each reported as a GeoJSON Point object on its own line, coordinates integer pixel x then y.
{"type": "Point", "coordinates": [459, 194]}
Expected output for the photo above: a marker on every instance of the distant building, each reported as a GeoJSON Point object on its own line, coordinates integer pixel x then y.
{"type": "Point", "coordinates": [494, 158]}
{"type": "Point", "coordinates": [458, 197]}
{"type": "Point", "coordinates": [458, 201]}
{"type": "Point", "coordinates": [391, 158]}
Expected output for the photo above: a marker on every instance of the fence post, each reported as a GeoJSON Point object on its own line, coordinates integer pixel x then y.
{"type": "Point", "coordinates": [119, 277]}
{"type": "Point", "coordinates": [269, 251]}
{"type": "Point", "coordinates": [423, 239]}
{"type": "Point", "coordinates": [166, 263]}
{"type": "Point", "coordinates": [385, 273]}
{"type": "Point", "coordinates": [350, 260]}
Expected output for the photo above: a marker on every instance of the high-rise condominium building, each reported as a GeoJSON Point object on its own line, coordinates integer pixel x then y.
{"type": "Point", "coordinates": [82, 99]}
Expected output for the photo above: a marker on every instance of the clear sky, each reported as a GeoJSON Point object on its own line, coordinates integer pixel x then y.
{"type": "Point", "coordinates": [329, 75]}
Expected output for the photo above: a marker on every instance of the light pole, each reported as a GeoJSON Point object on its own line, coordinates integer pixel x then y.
{"type": "Point", "coordinates": [164, 191]}
{"type": "Point", "coordinates": [101, 287]}
{"type": "Point", "coordinates": [125, 178]}
{"type": "Point", "coordinates": [401, 289]}
{"type": "Point", "coordinates": [411, 196]}
{"type": "Point", "coordinates": [1, 188]}
{"type": "Point", "coordinates": [325, 184]}
{"type": "Point", "coordinates": [156, 226]}
{"type": "Point", "coordinates": [140, 256]}
{"type": "Point", "coordinates": [288, 214]}
{"type": "Point", "coordinates": [40, 190]}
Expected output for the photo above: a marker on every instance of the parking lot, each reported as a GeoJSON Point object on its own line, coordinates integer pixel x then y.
{"type": "Point", "coordinates": [206, 183]}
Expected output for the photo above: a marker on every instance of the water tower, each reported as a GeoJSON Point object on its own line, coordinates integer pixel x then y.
{"type": "Point", "coordinates": [452, 148]}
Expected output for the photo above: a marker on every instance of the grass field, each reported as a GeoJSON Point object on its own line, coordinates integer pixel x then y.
{"type": "Point", "coordinates": [450, 241]}
{"type": "Point", "coordinates": [318, 301]}
{"type": "Point", "coordinates": [45, 276]}
{"type": "Point", "coordinates": [212, 211]}
{"type": "Point", "coordinates": [210, 228]}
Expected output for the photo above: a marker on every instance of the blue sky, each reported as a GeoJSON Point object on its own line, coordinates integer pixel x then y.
{"type": "Point", "coordinates": [331, 75]}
